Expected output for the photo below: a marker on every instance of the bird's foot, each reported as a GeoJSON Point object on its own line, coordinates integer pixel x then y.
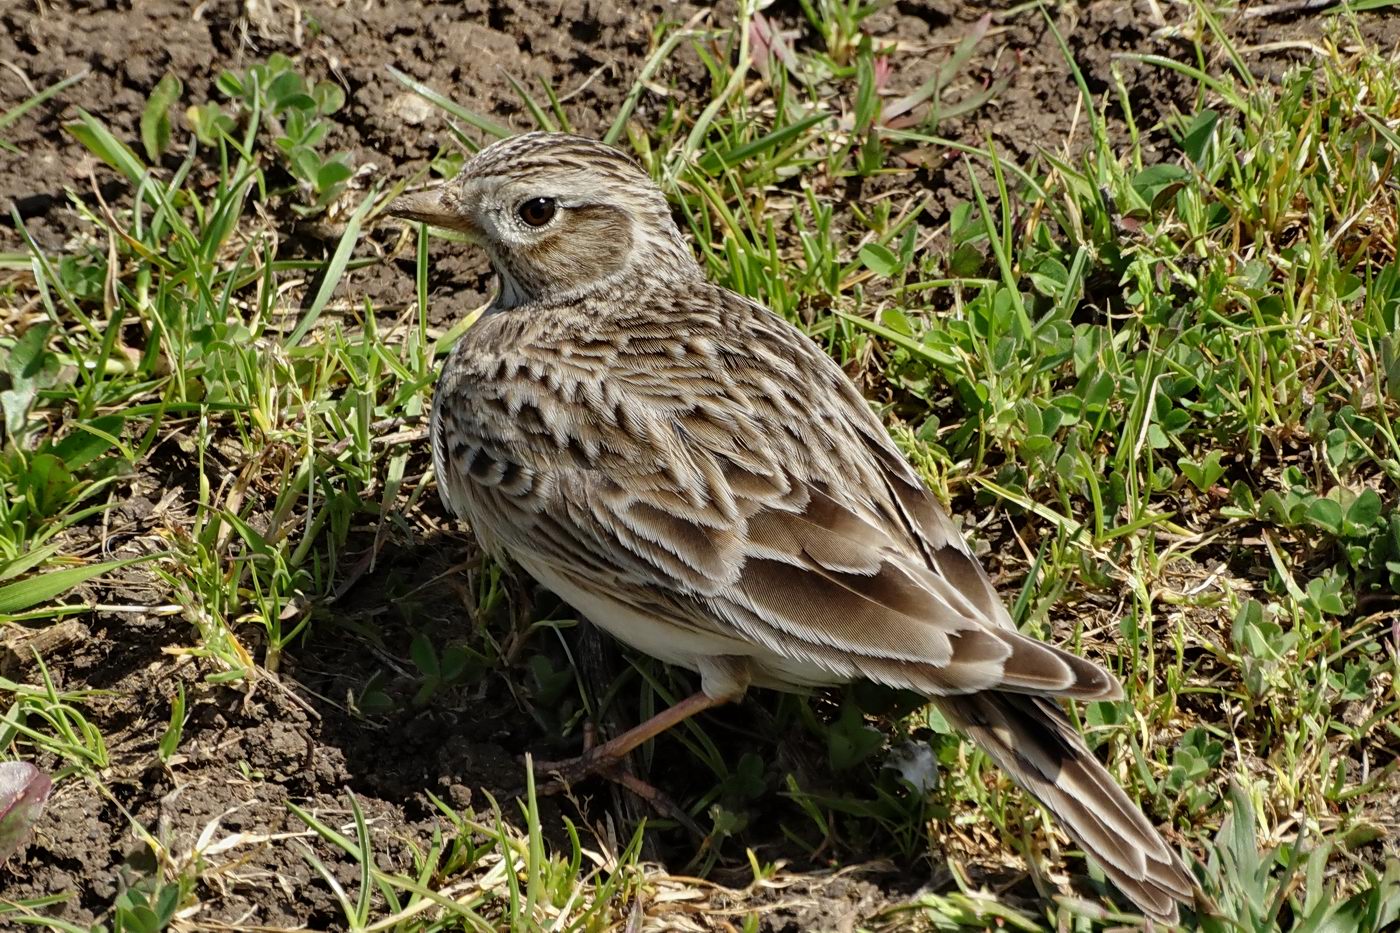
{"type": "Point", "coordinates": [603, 762]}
{"type": "Point", "coordinates": [598, 761]}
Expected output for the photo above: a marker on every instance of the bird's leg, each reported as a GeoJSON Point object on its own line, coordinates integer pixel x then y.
{"type": "Point", "coordinates": [600, 759]}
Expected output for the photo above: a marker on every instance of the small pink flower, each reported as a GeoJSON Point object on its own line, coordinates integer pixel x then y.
{"type": "Point", "coordinates": [883, 69]}
{"type": "Point", "coordinates": [24, 790]}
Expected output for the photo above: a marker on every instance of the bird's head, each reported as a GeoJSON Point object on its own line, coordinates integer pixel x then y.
{"type": "Point", "coordinates": [560, 216]}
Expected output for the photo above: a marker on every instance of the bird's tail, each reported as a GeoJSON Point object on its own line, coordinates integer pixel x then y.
{"type": "Point", "coordinates": [1033, 741]}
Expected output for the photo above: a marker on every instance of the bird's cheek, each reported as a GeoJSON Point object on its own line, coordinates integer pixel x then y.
{"type": "Point", "coordinates": [598, 242]}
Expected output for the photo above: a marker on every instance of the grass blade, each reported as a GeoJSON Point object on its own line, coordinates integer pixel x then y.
{"type": "Point", "coordinates": [335, 269]}
{"type": "Point", "coordinates": [30, 592]}
{"type": "Point", "coordinates": [485, 124]}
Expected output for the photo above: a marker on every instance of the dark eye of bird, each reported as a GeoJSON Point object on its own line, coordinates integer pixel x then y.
{"type": "Point", "coordinates": [537, 211]}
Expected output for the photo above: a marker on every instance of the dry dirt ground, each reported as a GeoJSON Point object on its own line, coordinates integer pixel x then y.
{"type": "Point", "coordinates": [246, 753]}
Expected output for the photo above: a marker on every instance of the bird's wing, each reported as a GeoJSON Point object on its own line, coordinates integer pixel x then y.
{"type": "Point", "coordinates": [720, 462]}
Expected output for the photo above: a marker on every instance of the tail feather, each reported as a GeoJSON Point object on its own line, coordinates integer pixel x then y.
{"type": "Point", "coordinates": [1033, 741]}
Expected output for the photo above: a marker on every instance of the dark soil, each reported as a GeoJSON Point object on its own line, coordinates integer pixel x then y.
{"type": "Point", "coordinates": [250, 749]}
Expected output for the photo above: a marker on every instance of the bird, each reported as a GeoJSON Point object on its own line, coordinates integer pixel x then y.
{"type": "Point", "coordinates": [699, 479]}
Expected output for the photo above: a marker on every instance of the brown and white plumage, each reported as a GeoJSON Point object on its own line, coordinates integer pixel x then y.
{"type": "Point", "coordinates": [698, 478]}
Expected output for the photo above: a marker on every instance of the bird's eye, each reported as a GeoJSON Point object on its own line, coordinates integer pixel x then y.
{"type": "Point", "coordinates": [537, 211]}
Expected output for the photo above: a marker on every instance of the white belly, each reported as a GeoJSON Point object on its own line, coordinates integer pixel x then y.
{"type": "Point", "coordinates": [683, 645]}
{"type": "Point", "coordinates": [665, 641]}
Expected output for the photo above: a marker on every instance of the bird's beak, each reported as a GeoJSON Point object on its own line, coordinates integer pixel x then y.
{"type": "Point", "coordinates": [437, 206]}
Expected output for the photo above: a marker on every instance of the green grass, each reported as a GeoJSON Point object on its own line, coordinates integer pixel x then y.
{"type": "Point", "coordinates": [1161, 393]}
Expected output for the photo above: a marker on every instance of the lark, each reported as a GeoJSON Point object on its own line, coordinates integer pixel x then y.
{"type": "Point", "coordinates": [698, 478]}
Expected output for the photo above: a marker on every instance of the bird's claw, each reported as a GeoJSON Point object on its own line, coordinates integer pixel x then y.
{"type": "Point", "coordinates": [564, 774]}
